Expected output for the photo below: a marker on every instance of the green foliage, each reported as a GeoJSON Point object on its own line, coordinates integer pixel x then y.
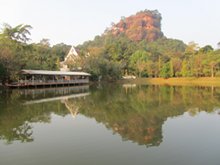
{"type": "Point", "coordinates": [185, 69]}
{"type": "Point", "coordinates": [151, 59]}
{"type": "Point", "coordinates": [12, 58]}
{"type": "Point", "coordinates": [16, 54]}
{"type": "Point", "coordinates": [168, 48]}
{"type": "Point", "coordinates": [101, 68]}
{"type": "Point", "coordinates": [18, 33]}
{"type": "Point", "coordinates": [138, 61]}
{"type": "Point", "coordinates": [2, 72]}
{"type": "Point", "coordinates": [166, 70]}
{"type": "Point", "coordinates": [60, 50]}
{"type": "Point", "coordinates": [171, 69]}
{"type": "Point", "coordinates": [206, 49]}
{"type": "Point", "coordinates": [43, 55]}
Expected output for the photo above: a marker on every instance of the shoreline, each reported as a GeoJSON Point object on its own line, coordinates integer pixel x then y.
{"type": "Point", "coordinates": [186, 81]}
{"type": "Point", "coordinates": [177, 81]}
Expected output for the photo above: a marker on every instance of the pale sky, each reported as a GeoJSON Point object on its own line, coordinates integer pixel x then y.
{"type": "Point", "coordinates": [75, 21]}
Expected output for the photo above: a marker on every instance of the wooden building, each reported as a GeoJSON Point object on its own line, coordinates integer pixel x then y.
{"type": "Point", "coordinates": [44, 78]}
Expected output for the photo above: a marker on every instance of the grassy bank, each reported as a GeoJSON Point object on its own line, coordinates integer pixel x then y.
{"type": "Point", "coordinates": [203, 81]}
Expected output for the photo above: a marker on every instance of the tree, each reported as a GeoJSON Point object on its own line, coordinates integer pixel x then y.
{"type": "Point", "coordinates": [171, 68]}
{"type": "Point", "coordinates": [159, 65]}
{"type": "Point", "coordinates": [166, 72]}
{"type": "Point", "coordinates": [61, 50]}
{"type": "Point", "coordinates": [206, 49]}
{"type": "Point", "coordinates": [185, 69]}
{"type": "Point", "coordinates": [101, 68]}
{"type": "Point", "coordinates": [18, 33]}
{"type": "Point", "coordinates": [197, 66]}
{"type": "Point", "coordinates": [151, 68]}
{"type": "Point", "coordinates": [14, 50]}
{"type": "Point", "coordinates": [45, 42]}
{"type": "Point", "coordinates": [191, 49]}
{"type": "Point", "coordinates": [177, 62]}
{"type": "Point", "coordinates": [138, 61]}
{"type": "Point", "coordinates": [213, 62]}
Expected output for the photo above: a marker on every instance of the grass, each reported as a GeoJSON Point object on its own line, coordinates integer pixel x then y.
{"type": "Point", "coordinates": [202, 81]}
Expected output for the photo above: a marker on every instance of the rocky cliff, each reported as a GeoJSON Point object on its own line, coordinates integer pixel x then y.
{"type": "Point", "coordinates": [144, 25]}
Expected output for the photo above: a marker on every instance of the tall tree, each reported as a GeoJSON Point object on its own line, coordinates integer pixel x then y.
{"type": "Point", "coordinates": [14, 50]}
{"type": "Point", "coordinates": [138, 61]}
{"type": "Point", "coordinates": [18, 33]}
{"type": "Point", "coordinates": [166, 70]}
{"type": "Point", "coordinates": [185, 69]}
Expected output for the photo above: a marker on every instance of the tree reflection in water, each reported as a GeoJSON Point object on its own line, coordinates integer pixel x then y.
{"type": "Point", "coordinates": [137, 113]}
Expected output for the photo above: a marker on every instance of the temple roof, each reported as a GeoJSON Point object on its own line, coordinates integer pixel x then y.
{"type": "Point", "coordinates": [72, 53]}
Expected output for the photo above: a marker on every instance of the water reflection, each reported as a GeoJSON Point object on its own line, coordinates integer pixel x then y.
{"type": "Point", "coordinates": [136, 113]}
{"type": "Point", "coordinates": [21, 108]}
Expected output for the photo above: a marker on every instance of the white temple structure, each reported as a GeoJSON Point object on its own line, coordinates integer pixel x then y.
{"type": "Point", "coordinates": [70, 58]}
{"type": "Point", "coordinates": [72, 53]}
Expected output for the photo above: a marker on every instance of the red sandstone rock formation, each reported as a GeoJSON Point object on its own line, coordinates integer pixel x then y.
{"type": "Point", "coordinates": [145, 25]}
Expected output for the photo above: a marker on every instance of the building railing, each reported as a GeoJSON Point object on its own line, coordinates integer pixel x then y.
{"type": "Point", "coordinates": [52, 82]}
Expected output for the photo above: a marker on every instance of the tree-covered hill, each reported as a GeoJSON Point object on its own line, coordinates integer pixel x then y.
{"type": "Point", "coordinates": [137, 46]}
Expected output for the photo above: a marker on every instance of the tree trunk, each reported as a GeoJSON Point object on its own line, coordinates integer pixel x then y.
{"type": "Point", "coordinates": [139, 75]}
{"type": "Point", "coordinates": [212, 71]}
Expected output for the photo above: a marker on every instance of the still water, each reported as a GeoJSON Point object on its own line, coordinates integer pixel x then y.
{"type": "Point", "coordinates": [109, 125]}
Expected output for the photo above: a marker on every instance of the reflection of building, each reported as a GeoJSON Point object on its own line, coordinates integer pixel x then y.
{"type": "Point", "coordinates": [67, 96]}
{"type": "Point", "coordinates": [128, 87]}
{"type": "Point", "coordinates": [57, 98]}
{"type": "Point", "coordinates": [34, 96]}
{"type": "Point", "coordinates": [73, 108]}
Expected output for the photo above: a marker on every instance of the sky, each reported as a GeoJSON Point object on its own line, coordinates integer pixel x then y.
{"type": "Point", "coordinates": [75, 21]}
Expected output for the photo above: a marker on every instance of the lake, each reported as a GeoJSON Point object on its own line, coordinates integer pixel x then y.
{"type": "Point", "coordinates": [110, 124]}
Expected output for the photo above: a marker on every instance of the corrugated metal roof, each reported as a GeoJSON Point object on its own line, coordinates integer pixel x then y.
{"type": "Point", "coordinates": [47, 72]}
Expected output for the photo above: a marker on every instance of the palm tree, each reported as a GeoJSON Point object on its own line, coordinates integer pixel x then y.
{"type": "Point", "coordinates": [19, 33]}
